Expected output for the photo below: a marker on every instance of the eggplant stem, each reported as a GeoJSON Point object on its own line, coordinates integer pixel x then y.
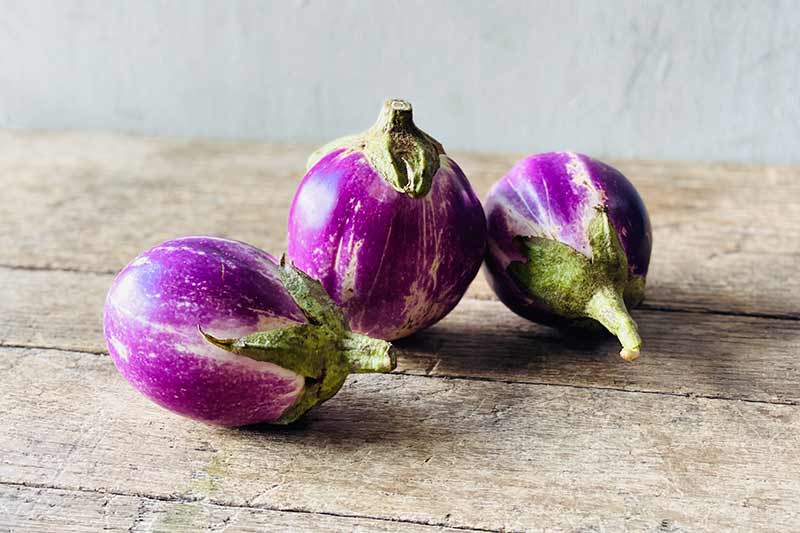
{"type": "Point", "coordinates": [366, 354]}
{"type": "Point", "coordinates": [608, 307]}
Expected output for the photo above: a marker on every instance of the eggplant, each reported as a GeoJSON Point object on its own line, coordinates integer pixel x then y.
{"type": "Point", "coordinates": [569, 244]}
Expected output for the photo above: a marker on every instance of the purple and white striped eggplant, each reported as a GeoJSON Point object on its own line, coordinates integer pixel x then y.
{"type": "Point", "coordinates": [390, 225]}
{"type": "Point", "coordinates": [215, 330]}
{"type": "Point", "coordinates": [569, 240]}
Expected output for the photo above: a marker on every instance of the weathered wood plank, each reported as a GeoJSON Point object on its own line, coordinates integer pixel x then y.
{"type": "Point", "coordinates": [450, 452]}
{"type": "Point", "coordinates": [53, 309]}
{"type": "Point", "coordinates": [734, 357]}
{"type": "Point", "coordinates": [725, 235]}
{"type": "Point", "coordinates": [686, 353]}
{"type": "Point", "coordinates": [49, 510]}
{"type": "Point", "coordinates": [94, 202]}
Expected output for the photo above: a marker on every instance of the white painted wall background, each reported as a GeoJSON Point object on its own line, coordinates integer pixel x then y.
{"type": "Point", "coordinates": [672, 80]}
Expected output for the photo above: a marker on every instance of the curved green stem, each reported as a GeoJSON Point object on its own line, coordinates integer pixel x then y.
{"type": "Point", "coordinates": [367, 354]}
{"type": "Point", "coordinates": [607, 307]}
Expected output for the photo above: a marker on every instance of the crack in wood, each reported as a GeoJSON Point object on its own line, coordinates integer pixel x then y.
{"type": "Point", "coordinates": [474, 297]}
{"type": "Point", "coordinates": [446, 377]}
{"type": "Point", "coordinates": [46, 268]}
{"type": "Point", "coordinates": [208, 501]}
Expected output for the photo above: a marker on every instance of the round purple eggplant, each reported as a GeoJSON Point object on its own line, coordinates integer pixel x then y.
{"type": "Point", "coordinates": [216, 330]}
{"type": "Point", "coordinates": [390, 226]}
{"type": "Point", "coordinates": [569, 244]}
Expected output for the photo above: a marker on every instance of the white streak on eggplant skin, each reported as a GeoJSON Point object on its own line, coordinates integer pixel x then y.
{"type": "Point", "coordinates": [348, 286]}
{"type": "Point", "coordinates": [506, 220]}
{"type": "Point", "coordinates": [357, 319]}
{"type": "Point", "coordinates": [229, 328]}
{"type": "Point", "coordinates": [540, 222]}
{"type": "Point", "coordinates": [427, 299]}
{"type": "Point", "coordinates": [396, 264]}
{"type": "Point", "coordinates": [513, 208]}
{"type": "Point", "coordinates": [120, 348]}
{"type": "Point", "coordinates": [583, 183]}
{"type": "Point", "coordinates": [151, 316]}
{"type": "Point", "coordinates": [189, 337]}
{"type": "Point", "coordinates": [168, 365]}
{"type": "Point", "coordinates": [526, 203]}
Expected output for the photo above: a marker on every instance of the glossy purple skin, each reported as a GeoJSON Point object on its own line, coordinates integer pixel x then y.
{"type": "Point", "coordinates": [228, 288]}
{"type": "Point", "coordinates": [396, 264]}
{"type": "Point", "coordinates": [554, 195]}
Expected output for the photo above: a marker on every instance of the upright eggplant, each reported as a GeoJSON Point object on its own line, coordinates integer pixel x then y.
{"type": "Point", "coordinates": [390, 225]}
{"type": "Point", "coordinates": [569, 244]}
{"type": "Point", "coordinates": [216, 330]}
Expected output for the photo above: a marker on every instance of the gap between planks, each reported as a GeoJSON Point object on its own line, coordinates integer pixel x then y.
{"type": "Point", "coordinates": [228, 505]}
{"type": "Point", "coordinates": [701, 355]}
{"type": "Point", "coordinates": [483, 379]}
{"type": "Point", "coordinates": [645, 305]}
{"type": "Point", "coordinates": [703, 212]}
{"type": "Point", "coordinates": [516, 451]}
{"type": "Point", "coordinates": [47, 268]}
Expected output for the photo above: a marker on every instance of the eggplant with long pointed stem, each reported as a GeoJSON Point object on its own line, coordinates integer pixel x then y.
{"type": "Point", "coordinates": [218, 331]}
{"type": "Point", "coordinates": [569, 244]}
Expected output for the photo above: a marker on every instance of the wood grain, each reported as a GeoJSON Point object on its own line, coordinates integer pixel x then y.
{"type": "Point", "coordinates": [46, 510]}
{"type": "Point", "coordinates": [489, 423]}
{"type": "Point", "coordinates": [83, 202]}
{"type": "Point", "coordinates": [736, 357]}
{"type": "Point", "coordinates": [53, 309]}
{"type": "Point", "coordinates": [433, 451]}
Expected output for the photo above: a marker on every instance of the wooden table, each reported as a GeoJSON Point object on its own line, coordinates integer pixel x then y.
{"type": "Point", "coordinates": [489, 423]}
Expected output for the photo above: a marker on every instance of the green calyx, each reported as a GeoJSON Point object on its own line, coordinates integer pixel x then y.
{"type": "Point", "coordinates": [575, 286]}
{"type": "Point", "coordinates": [324, 351]}
{"type": "Point", "coordinates": [405, 156]}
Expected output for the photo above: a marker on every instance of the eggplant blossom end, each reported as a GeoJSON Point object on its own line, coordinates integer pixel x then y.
{"type": "Point", "coordinates": [576, 287]}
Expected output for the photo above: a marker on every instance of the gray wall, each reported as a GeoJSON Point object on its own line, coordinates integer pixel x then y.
{"type": "Point", "coordinates": [672, 80]}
